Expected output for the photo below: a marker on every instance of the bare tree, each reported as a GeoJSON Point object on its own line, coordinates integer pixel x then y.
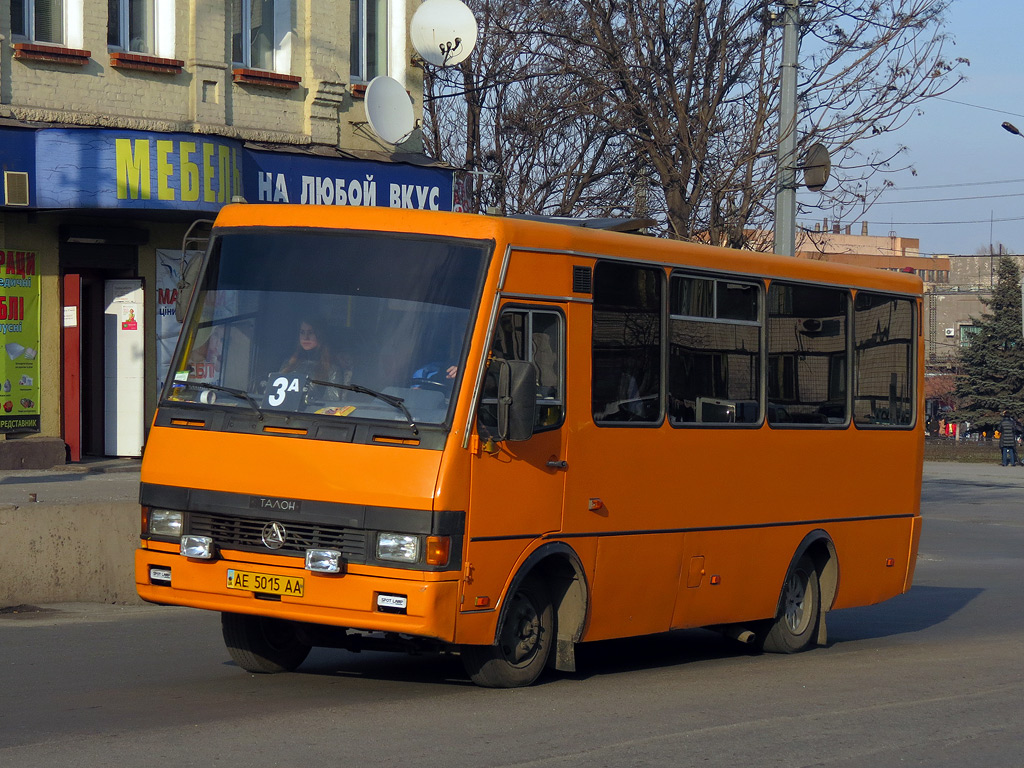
{"type": "Point", "coordinates": [606, 106]}
{"type": "Point", "coordinates": [520, 124]}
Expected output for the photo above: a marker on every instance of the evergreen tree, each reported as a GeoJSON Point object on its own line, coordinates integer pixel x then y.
{"type": "Point", "coordinates": [991, 377]}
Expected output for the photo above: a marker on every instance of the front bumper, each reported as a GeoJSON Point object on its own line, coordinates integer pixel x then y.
{"type": "Point", "coordinates": [341, 600]}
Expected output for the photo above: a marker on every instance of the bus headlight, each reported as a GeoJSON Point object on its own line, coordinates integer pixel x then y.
{"type": "Point", "coordinates": [166, 522]}
{"type": "Point", "coordinates": [198, 547]}
{"type": "Point", "coordinates": [398, 547]}
{"type": "Point", "coordinates": [323, 560]}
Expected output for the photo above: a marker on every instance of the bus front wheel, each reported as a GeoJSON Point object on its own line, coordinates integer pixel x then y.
{"type": "Point", "coordinates": [796, 626]}
{"type": "Point", "coordinates": [262, 645]}
{"type": "Point", "coordinates": [524, 642]}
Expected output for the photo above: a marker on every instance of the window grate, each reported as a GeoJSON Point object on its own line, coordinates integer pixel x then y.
{"type": "Point", "coordinates": [246, 534]}
{"type": "Point", "coordinates": [582, 280]}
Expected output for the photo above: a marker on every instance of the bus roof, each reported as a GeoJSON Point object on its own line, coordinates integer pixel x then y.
{"type": "Point", "coordinates": [533, 235]}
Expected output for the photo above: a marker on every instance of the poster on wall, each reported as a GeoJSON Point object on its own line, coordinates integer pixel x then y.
{"type": "Point", "coordinates": [19, 360]}
{"type": "Point", "coordinates": [168, 275]}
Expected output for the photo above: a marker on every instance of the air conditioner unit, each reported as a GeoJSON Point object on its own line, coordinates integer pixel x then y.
{"type": "Point", "coordinates": [951, 331]}
{"type": "Point", "coordinates": [16, 188]}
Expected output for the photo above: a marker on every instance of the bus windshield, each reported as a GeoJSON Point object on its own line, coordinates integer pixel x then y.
{"type": "Point", "coordinates": [339, 324]}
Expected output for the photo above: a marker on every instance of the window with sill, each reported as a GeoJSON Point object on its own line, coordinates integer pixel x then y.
{"type": "Point", "coordinates": [38, 21]}
{"type": "Point", "coordinates": [260, 34]}
{"type": "Point", "coordinates": [140, 35]}
{"type": "Point", "coordinates": [131, 25]}
{"type": "Point", "coordinates": [368, 36]}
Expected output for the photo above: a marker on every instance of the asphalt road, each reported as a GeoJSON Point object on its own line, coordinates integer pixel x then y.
{"type": "Point", "coordinates": [932, 678]}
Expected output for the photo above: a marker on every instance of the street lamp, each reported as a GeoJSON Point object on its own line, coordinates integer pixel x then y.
{"type": "Point", "coordinates": [1011, 128]}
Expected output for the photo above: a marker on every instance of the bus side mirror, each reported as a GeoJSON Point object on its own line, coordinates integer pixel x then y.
{"type": "Point", "coordinates": [517, 399]}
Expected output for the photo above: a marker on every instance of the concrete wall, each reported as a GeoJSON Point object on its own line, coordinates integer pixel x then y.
{"type": "Point", "coordinates": [68, 553]}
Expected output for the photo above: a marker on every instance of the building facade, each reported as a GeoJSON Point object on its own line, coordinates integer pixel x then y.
{"type": "Point", "coordinates": [894, 252]}
{"type": "Point", "coordinates": [952, 306]}
{"type": "Point", "coordinates": [122, 124]}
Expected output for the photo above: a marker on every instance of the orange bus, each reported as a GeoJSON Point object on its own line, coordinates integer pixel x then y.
{"type": "Point", "coordinates": [501, 438]}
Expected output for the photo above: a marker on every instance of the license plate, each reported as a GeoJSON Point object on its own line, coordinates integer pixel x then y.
{"type": "Point", "coordinates": [267, 583]}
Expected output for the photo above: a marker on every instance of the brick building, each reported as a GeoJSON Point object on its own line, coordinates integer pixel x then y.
{"type": "Point", "coordinates": [122, 122]}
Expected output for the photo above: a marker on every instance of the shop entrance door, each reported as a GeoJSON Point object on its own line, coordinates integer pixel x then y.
{"type": "Point", "coordinates": [85, 272]}
{"type": "Point", "coordinates": [124, 368]}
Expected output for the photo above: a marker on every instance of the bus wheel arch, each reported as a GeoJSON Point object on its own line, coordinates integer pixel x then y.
{"type": "Point", "coordinates": [558, 566]}
{"type": "Point", "coordinates": [806, 596]}
{"type": "Point", "coordinates": [549, 594]}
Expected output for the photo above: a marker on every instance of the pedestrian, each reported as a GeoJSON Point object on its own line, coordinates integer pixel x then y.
{"type": "Point", "coordinates": [1008, 430]}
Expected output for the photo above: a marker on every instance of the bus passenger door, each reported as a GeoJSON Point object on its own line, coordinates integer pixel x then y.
{"type": "Point", "coordinates": [516, 487]}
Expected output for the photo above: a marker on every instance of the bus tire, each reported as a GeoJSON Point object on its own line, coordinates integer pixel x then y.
{"type": "Point", "coordinates": [796, 626]}
{"type": "Point", "coordinates": [262, 645]}
{"type": "Point", "coordinates": [524, 645]}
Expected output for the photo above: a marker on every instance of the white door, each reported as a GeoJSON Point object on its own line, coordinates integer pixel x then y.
{"type": "Point", "coordinates": [124, 368]}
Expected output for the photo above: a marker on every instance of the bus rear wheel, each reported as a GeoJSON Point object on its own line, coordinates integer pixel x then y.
{"type": "Point", "coordinates": [262, 645]}
{"type": "Point", "coordinates": [796, 626]}
{"type": "Point", "coordinates": [524, 643]}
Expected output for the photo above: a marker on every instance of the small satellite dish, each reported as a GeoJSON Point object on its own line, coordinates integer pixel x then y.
{"type": "Point", "coordinates": [389, 109]}
{"type": "Point", "coordinates": [443, 32]}
{"type": "Point", "coordinates": [816, 166]}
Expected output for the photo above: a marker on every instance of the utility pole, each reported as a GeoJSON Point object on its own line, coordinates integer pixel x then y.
{"type": "Point", "coordinates": [785, 194]}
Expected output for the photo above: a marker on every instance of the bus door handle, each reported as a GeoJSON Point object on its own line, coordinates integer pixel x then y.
{"type": "Point", "coordinates": [556, 464]}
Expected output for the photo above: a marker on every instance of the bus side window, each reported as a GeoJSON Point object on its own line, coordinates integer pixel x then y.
{"type": "Point", "coordinates": [807, 359]}
{"type": "Point", "coordinates": [626, 378]}
{"type": "Point", "coordinates": [535, 336]}
{"type": "Point", "coordinates": [714, 351]}
{"type": "Point", "coordinates": [883, 348]}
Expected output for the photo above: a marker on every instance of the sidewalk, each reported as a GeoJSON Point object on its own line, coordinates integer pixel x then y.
{"type": "Point", "coordinates": [963, 472]}
{"type": "Point", "coordinates": [93, 480]}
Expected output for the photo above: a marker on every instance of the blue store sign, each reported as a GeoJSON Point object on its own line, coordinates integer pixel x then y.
{"type": "Point", "coordinates": [276, 177]}
{"type": "Point", "coordinates": [102, 168]}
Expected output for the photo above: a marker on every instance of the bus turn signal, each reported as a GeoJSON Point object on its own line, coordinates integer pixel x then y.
{"type": "Point", "coordinates": [438, 548]}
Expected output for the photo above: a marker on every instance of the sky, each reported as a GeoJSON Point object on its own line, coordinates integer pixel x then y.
{"type": "Point", "coordinates": [969, 169]}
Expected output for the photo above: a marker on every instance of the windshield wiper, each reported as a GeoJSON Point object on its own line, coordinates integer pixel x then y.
{"type": "Point", "coordinates": [397, 402]}
{"type": "Point", "coordinates": [241, 394]}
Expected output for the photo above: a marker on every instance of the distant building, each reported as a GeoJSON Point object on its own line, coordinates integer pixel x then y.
{"type": "Point", "coordinates": [839, 245]}
{"type": "Point", "coordinates": [951, 307]}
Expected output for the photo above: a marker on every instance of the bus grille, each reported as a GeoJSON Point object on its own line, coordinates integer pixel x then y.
{"type": "Point", "coordinates": [247, 534]}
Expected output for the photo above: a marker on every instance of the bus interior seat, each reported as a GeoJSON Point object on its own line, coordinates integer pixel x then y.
{"type": "Point", "coordinates": [546, 360]}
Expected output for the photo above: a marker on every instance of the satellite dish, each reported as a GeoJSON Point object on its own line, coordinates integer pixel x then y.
{"type": "Point", "coordinates": [389, 109]}
{"type": "Point", "coordinates": [817, 165]}
{"type": "Point", "coordinates": [443, 32]}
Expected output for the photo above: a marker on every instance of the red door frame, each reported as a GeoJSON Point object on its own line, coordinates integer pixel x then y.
{"type": "Point", "coordinates": [71, 352]}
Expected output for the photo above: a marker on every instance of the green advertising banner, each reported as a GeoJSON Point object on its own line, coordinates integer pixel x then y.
{"type": "Point", "coordinates": [19, 358]}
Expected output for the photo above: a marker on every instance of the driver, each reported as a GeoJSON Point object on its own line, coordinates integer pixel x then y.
{"type": "Point", "coordinates": [314, 359]}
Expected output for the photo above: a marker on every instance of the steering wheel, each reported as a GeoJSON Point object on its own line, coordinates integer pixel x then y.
{"type": "Point", "coordinates": [440, 386]}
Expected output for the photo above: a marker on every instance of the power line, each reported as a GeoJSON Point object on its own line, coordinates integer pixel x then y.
{"type": "Point", "coordinates": [948, 199]}
{"type": "Point", "coordinates": [941, 223]}
{"type": "Point", "coordinates": [978, 106]}
{"type": "Point", "coordinates": [898, 188]}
